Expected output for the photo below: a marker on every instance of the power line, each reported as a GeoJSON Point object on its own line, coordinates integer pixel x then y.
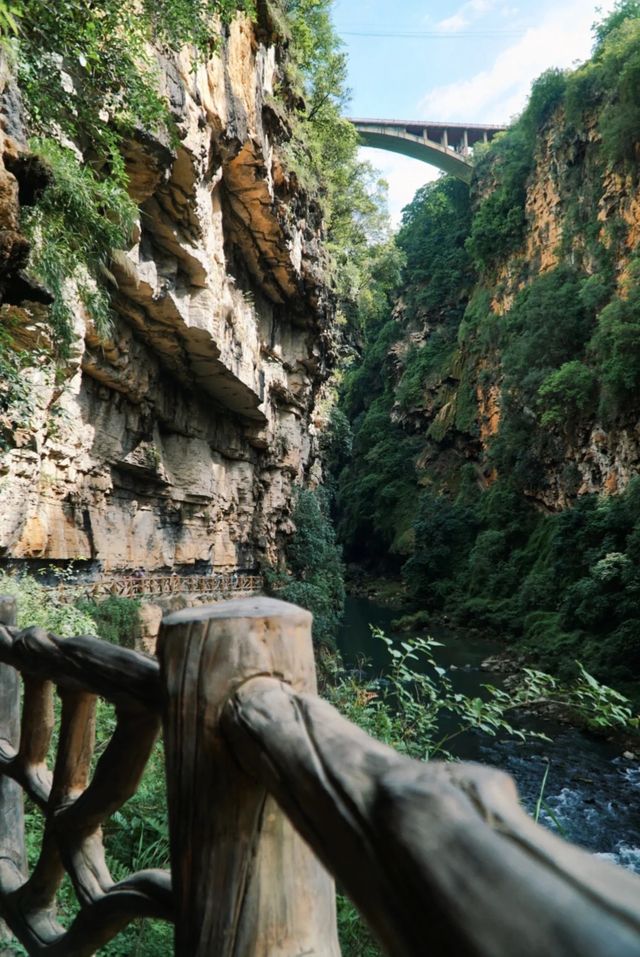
{"type": "Point", "coordinates": [421, 35]}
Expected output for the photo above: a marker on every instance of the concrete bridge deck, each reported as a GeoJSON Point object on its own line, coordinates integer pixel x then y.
{"type": "Point", "coordinates": [447, 146]}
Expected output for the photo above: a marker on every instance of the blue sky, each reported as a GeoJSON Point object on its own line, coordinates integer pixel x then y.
{"type": "Point", "coordinates": [462, 60]}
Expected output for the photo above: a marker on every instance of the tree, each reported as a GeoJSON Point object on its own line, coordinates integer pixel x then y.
{"type": "Point", "coordinates": [314, 575]}
{"type": "Point", "coordinates": [567, 394]}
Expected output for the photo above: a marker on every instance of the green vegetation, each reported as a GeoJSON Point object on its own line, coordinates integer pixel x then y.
{"type": "Point", "coordinates": [323, 153]}
{"type": "Point", "coordinates": [16, 396]}
{"type": "Point", "coordinates": [313, 577]}
{"type": "Point", "coordinates": [416, 702]}
{"type": "Point", "coordinates": [435, 226]}
{"type": "Point", "coordinates": [376, 490]}
{"type": "Point", "coordinates": [566, 394]}
{"type": "Point", "coordinates": [90, 83]}
{"type": "Point", "coordinates": [113, 619]}
{"type": "Point", "coordinates": [615, 349]}
{"type": "Point", "coordinates": [564, 585]}
{"type": "Point", "coordinates": [499, 220]}
{"type": "Point", "coordinates": [78, 221]}
{"type": "Point", "coordinates": [116, 619]}
{"type": "Point", "coordinates": [484, 342]}
{"type": "Point", "coordinates": [87, 70]}
{"type": "Point", "coordinates": [9, 18]}
{"type": "Point", "coordinates": [610, 80]}
{"type": "Point", "coordinates": [417, 710]}
{"type": "Point", "coordinates": [42, 607]}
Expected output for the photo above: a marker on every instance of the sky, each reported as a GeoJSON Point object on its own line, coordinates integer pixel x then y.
{"type": "Point", "coordinates": [453, 60]}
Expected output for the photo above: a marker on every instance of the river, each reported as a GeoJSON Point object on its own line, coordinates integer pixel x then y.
{"type": "Point", "coordinates": [592, 791]}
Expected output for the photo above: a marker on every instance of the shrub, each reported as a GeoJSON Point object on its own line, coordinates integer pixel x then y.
{"type": "Point", "coordinates": [75, 226]}
{"type": "Point", "coordinates": [43, 607]}
{"type": "Point", "coordinates": [116, 619]}
{"type": "Point", "coordinates": [425, 368]}
{"type": "Point", "coordinates": [615, 347]}
{"type": "Point", "coordinates": [546, 327]}
{"type": "Point", "coordinates": [547, 94]}
{"type": "Point", "coordinates": [567, 394]}
{"type": "Point", "coordinates": [623, 11]}
{"type": "Point", "coordinates": [314, 577]}
{"type": "Point", "coordinates": [497, 228]}
{"type": "Point", "coordinates": [17, 403]}
{"type": "Point", "coordinates": [435, 226]}
{"type": "Point", "coordinates": [443, 531]}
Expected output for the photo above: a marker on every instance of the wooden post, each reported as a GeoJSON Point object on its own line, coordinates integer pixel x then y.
{"type": "Point", "coordinates": [246, 884]}
{"type": "Point", "coordinates": [12, 847]}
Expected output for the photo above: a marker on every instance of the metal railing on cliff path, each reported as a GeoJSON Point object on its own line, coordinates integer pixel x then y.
{"type": "Point", "coordinates": [263, 776]}
{"type": "Point", "coordinates": [220, 584]}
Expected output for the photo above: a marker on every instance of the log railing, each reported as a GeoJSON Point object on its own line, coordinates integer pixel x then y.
{"type": "Point", "coordinates": [439, 858]}
{"type": "Point", "coordinates": [220, 584]}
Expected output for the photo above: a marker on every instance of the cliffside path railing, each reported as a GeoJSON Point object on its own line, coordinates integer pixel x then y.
{"type": "Point", "coordinates": [220, 584]}
{"type": "Point", "coordinates": [439, 858]}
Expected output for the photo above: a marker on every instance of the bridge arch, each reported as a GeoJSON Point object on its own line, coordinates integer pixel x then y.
{"type": "Point", "coordinates": [446, 146]}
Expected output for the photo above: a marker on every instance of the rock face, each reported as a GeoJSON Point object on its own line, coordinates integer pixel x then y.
{"type": "Point", "coordinates": [600, 457]}
{"type": "Point", "coordinates": [568, 186]}
{"type": "Point", "coordinates": [179, 440]}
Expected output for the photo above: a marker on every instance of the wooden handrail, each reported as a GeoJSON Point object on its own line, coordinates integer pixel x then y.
{"type": "Point", "coordinates": [74, 806]}
{"type": "Point", "coordinates": [439, 858]}
{"type": "Point", "coordinates": [222, 584]}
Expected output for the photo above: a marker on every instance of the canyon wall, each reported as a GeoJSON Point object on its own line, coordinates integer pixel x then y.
{"type": "Point", "coordinates": [178, 441]}
{"type": "Point", "coordinates": [579, 225]}
{"type": "Point", "coordinates": [575, 213]}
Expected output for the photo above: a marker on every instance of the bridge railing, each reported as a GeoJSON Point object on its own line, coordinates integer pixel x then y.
{"type": "Point", "coordinates": [439, 858]}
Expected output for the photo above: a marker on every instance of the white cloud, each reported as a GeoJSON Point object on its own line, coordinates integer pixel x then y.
{"type": "Point", "coordinates": [479, 7]}
{"type": "Point", "coordinates": [467, 13]}
{"type": "Point", "coordinates": [500, 92]}
{"type": "Point", "coordinates": [453, 24]}
{"type": "Point", "coordinates": [404, 176]}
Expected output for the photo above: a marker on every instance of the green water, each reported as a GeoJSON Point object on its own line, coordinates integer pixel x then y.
{"type": "Point", "coordinates": [462, 652]}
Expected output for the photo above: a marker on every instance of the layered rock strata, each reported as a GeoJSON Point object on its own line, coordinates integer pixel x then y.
{"type": "Point", "coordinates": [178, 441]}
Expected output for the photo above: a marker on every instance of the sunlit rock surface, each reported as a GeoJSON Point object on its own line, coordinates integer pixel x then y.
{"type": "Point", "coordinates": [180, 439]}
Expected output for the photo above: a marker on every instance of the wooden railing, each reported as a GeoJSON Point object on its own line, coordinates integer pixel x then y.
{"type": "Point", "coordinates": [220, 584]}
{"type": "Point", "coordinates": [439, 858]}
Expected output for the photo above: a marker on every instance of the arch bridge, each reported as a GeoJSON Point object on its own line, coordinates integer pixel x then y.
{"type": "Point", "coordinates": [447, 146]}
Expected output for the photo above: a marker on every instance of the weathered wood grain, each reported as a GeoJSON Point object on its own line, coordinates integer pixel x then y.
{"type": "Point", "coordinates": [440, 858]}
{"type": "Point", "coordinates": [12, 844]}
{"type": "Point", "coordinates": [145, 894]}
{"type": "Point", "coordinates": [29, 766]}
{"type": "Point", "coordinates": [74, 805]}
{"type": "Point", "coordinates": [246, 885]}
{"type": "Point", "coordinates": [84, 664]}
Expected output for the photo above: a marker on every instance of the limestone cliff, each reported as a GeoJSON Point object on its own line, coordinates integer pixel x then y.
{"type": "Point", "coordinates": [574, 212]}
{"type": "Point", "coordinates": [579, 219]}
{"type": "Point", "coordinates": [178, 441]}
